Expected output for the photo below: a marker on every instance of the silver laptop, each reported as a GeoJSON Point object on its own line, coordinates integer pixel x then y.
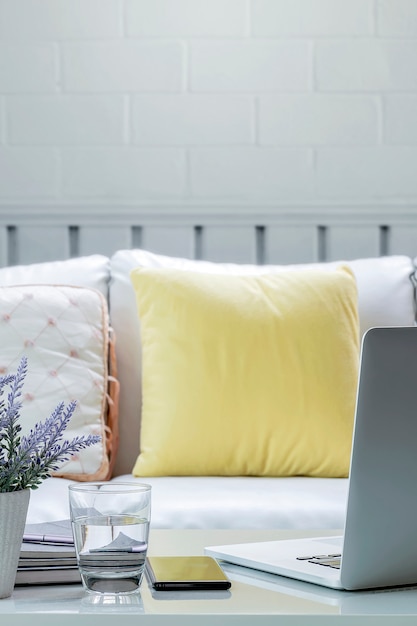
{"type": "Point", "coordinates": [379, 544]}
{"type": "Point", "coordinates": [280, 591]}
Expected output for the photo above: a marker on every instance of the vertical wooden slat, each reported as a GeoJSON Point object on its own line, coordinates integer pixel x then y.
{"type": "Point", "coordinates": [12, 246]}
{"type": "Point", "coordinates": [198, 241]}
{"type": "Point", "coordinates": [4, 254]}
{"type": "Point", "coordinates": [228, 244]}
{"type": "Point", "coordinates": [352, 242]}
{"type": "Point", "coordinates": [37, 244]}
{"type": "Point", "coordinates": [290, 244]}
{"type": "Point", "coordinates": [74, 241]}
{"type": "Point", "coordinates": [384, 234]}
{"type": "Point", "coordinates": [136, 233]}
{"type": "Point", "coordinates": [103, 239]}
{"type": "Point", "coordinates": [175, 241]}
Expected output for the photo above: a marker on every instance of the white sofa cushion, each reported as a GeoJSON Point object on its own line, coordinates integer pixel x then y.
{"type": "Point", "coordinates": [385, 298]}
{"type": "Point", "coordinates": [89, 271]}
{"type": "Point", "coordinates": [221, 502]}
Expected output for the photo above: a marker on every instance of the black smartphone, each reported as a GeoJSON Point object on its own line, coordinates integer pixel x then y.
{"type": "Point", "coordinates": [175, 573]}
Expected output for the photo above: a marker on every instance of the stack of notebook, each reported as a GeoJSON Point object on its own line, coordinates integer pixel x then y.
{"type": "Point", "coordinates": [47, 555]}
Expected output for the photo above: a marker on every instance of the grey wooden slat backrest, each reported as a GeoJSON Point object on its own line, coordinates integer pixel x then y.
{"type": "Point", "coordinates": [270, 238]}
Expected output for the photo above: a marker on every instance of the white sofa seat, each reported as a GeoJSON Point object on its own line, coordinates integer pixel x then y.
{"type": "Point", "coordinates": [220, 502]}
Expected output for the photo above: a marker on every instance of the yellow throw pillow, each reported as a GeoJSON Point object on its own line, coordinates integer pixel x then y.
{"type": "Point", "coordinates": [247, 375]}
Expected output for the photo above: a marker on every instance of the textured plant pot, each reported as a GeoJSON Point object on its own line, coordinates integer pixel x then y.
{"type": "Point", "coordinates": [13, 511]}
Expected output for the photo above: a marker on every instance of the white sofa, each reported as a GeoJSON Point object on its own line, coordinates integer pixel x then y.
{"type": "Point", "coordinates": [386, 296]}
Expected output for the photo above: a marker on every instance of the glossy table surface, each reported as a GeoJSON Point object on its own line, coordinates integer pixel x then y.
{"type": "Point", "coordinates": [254, 598]}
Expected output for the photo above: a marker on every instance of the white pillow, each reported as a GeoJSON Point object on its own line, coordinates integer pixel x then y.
{"type": "Point", "coordinates": [63, 331]}
{"type": "Point", "coordinates": [385, 298]}
{"type": "Point", "coordinates": [89, 271]}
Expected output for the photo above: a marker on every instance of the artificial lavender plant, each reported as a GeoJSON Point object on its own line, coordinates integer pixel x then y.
{"type": "Point", "coordinates": [25, 461]}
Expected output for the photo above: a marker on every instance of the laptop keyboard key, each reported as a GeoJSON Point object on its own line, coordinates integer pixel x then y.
{"type": "Point", "coordinates": [312, 556]}
{"type": "Point", "coordinates": [327, 560]}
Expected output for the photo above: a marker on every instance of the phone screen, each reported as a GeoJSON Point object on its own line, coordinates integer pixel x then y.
{"type": "Point", "coordinates": [168, 573]}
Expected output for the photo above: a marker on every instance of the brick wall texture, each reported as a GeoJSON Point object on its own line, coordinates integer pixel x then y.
{"type": "Point", "coordinates": [204, 102]}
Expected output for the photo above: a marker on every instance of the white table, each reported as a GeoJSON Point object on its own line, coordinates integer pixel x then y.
{"type": "Point", "coordinates": [253, 599]}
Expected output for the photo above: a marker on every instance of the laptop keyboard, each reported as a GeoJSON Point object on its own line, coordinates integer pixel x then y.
{"type": "Point", "coordinates": [328, 560]}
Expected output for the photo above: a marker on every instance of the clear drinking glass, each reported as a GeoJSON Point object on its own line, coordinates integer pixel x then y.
{"type": "Point", "coordinates": [110, 524]}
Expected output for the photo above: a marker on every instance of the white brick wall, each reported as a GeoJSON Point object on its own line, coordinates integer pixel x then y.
{"type": "Point", "coordinates": [26, 172]}
{"type": "Point", "coordinates": [397, 18]}
{"type": "Point", "coordinates": [253, 173]}
{"type": "Point", "coordinates": [378, 172]}
{"type": "Point", "coordinates": [400, 119]}
{"type": "Point", "coordinates": [123, 67]}
{"type": "Point", "coordinates": [187, 18]}
{"type": "Point", "coordinates": [123, 172]}
{"type": "Point", "coordinates": [60, 19]}
{"type": "Point", "coordinates": [318, 120]}
{"type": "Point", "coordinates": [366, 65]}
{"type": "Point", "coordinates": [312, 18]}
{"type": "Point", "coordinates": [193, 119]}
{"type": "Point", "coordinates": [250, 66]}
{"type": "Point", "coordinates": [208, 103]}
{"type": "Point", "coordinates": [28, 68]}
{"type": "Point", "coordinates": [66, 119]}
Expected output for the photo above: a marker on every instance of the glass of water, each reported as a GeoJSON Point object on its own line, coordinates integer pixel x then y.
{"type": "Point", "coordinates": [110, 524]}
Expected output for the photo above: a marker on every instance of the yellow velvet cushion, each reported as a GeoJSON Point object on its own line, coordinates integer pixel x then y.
{"type": "Point", "coordinates": [247, 375]}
